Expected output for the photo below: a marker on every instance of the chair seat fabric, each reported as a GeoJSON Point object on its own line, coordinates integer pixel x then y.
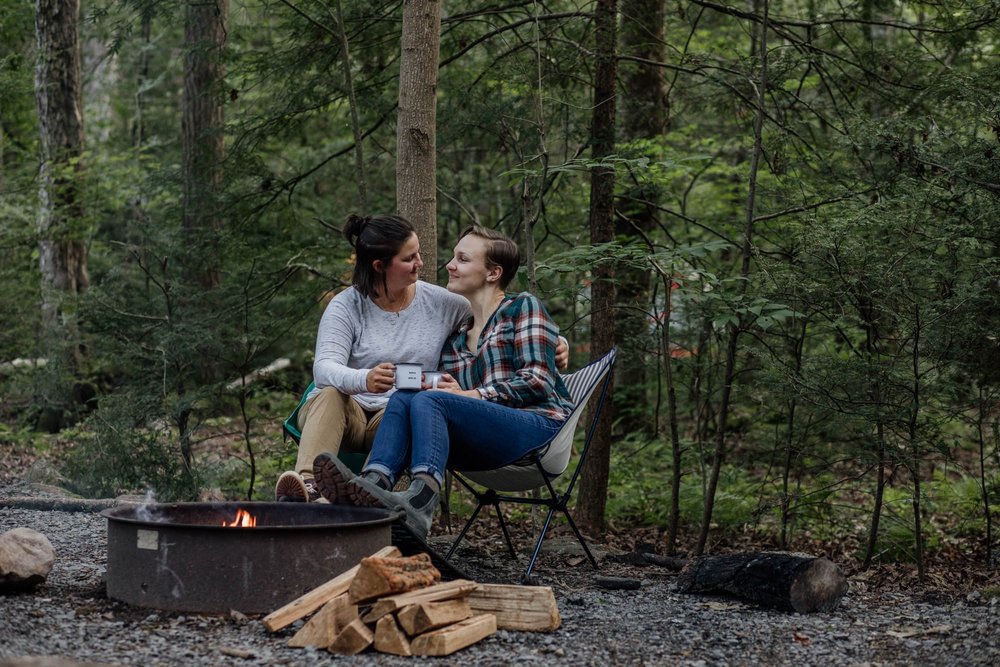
{"type": "Point", "coordinates": [524, 475]}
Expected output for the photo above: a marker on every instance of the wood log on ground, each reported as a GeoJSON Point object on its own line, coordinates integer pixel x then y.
{"type": "Point", "coordinates": [522, 608]}
{"type": "Point", "coordinates": [317, 597]}
{"type": "Point", "coordinates": [326, 624]}
{"type": "Point", "coordinates": [416, 619]}
{"type": "Point", "coordinates": [444, 591]}
{"type": "Point", "coordinates": [447, 640]}
{"type": "Point", "coordinates": [792, 582]}
{"type": "Point", "coordinates": [389, 638]}
{"type": "Point", "coordinates": [352, 639]}
{"type": "Point", "coordinates": [378, 577]}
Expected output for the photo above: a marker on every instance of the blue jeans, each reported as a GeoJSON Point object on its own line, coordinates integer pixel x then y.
{"type": "Point", "coordinates": [432, 430]}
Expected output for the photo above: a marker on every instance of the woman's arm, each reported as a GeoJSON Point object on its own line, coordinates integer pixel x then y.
{"type": "Point", "coordinates": [334, 342]}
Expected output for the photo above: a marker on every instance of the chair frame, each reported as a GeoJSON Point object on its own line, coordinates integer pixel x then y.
{"type": "Point", "coordinates": [554, 501]}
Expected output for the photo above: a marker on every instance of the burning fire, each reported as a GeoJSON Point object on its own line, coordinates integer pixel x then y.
{"type": "Point", "coordinates": [243, 520]}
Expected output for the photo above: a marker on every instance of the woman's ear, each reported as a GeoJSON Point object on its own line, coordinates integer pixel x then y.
{"type": "Point", "coordinates": [378, 266]}
{"type": "Point", "coordinates": [493, 275]}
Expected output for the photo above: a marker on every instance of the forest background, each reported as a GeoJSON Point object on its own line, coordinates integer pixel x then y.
{"type": "Point", "coordinates": [785, 215]}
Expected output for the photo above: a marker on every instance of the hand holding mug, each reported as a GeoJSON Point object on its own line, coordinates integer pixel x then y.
{"type": "Point", "coordinates": [438, 380]}
{"type": "Point", "coordinates": [381, 378]}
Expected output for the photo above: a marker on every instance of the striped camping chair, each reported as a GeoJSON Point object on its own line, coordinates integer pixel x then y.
{"type": "Point", "coordinates": [538, 469]}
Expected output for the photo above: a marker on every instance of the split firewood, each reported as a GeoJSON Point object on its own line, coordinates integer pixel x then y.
{"type": "Point", "coordinates": [523, 608]}
{"type": "Point", "coordinates": [326, 624]}
{"type": "Point", "coordinates": [447, 640]}
{"type": "Point", "coordinates": [317, 597]}
{"type": "Point", "coordinates": [443, 591]}
{"type": "Point", "coordinates": [419, 618]}
{"type": "Point", "coordinates": [352, 639]}
{"type": "Point", "coordinates": [786, 581]}
{"type": "Point", "coordinates": [378, 577]}
{"type": "Point", "coordinates": [389, 638]}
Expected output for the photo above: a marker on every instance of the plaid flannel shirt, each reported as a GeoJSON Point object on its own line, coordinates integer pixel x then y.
{"type": "Point", "coordinates": [516, 358]}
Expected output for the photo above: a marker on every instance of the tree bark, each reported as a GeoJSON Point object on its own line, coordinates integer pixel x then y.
{"type": "Point", "coordinates": [644, 105]}
{"type": "Point", "coordinates": [594, 477]}
{"type": "Point", "coordinates": [759, 47]}
{"type": "Point", "coordinates": [202, 134]}
{"type": "Point", "coordinates": [62, 252]}
{"type": "Point", "coordinates": [416, 143]}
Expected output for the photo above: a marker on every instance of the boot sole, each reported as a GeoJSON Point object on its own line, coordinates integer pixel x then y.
{"type": "Point", "coordinates": [331, 481]}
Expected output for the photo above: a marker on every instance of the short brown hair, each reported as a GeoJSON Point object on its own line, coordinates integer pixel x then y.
{"type": "Point", "coordinates": [501, 251]}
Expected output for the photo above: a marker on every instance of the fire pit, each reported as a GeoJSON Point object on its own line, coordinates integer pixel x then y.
{"type": "Point", "coordinates": [248, 557]}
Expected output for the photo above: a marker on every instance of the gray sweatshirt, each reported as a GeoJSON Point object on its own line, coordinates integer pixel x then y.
{"type": "Point", "coordinates": [355, 335]}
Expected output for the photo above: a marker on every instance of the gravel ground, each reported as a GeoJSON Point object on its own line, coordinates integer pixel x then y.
{"type": "Point", "coordinates": [70, 616]}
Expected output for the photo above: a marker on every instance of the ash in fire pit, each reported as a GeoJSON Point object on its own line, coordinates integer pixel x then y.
{"type": "Point", "coordinates": [248, 557]}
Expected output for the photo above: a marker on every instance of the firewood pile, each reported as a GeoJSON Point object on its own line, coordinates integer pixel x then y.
{"type": "Point", "coordinates": [399, 605]}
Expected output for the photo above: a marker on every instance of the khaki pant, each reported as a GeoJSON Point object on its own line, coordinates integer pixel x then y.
{"type": "Point", "coordinates": [330, 422]}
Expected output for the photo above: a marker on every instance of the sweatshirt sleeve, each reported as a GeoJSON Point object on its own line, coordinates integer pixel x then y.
{"type": "Point", "coordinates": [338, 329]}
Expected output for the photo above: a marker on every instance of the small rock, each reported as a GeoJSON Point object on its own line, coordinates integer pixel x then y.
{"type": "Point", "coordinates": [26, 558]}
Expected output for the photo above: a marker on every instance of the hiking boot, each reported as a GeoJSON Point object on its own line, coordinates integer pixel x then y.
{"type": "Point", "coordinates": [418, 501]}
{"type": "Point", "coordinates": [294, 488]}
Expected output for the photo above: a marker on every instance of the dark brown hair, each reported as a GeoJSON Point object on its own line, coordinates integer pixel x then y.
{"type": "Point", "coordinates": [501, 251]}
{"type": "Point", "coordinates": [376, 237]}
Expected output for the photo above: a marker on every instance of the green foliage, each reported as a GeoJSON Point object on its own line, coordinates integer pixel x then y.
{"type": "Point", "coordinates": [126, 448]}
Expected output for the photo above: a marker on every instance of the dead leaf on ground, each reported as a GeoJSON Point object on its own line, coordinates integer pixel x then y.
{"type": "Point", "coordinates": [800, 638]}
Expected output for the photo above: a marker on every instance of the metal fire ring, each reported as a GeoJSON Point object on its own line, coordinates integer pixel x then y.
{"type": "Point", "coordinates": [181, 557]}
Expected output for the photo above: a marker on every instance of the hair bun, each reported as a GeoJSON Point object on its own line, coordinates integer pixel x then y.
{"type": "Point", "coordinates": [353, 227]}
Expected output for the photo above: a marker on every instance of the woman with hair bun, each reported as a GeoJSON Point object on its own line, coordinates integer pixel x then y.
{"type": "Point", "coordinates": [387, 316]}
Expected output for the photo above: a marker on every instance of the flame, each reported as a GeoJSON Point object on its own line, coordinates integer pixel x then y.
{"type": "Point", "coordinates": [243, 520]}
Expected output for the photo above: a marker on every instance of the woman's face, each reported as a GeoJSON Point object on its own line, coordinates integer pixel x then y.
{"type": "Point", "coordinates": [467, 270]}
{"type": "Point", "coordinates": [404, 269]}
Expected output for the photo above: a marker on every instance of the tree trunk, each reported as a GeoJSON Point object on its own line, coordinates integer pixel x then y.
{"type": "Point", "coordinates": [416, 159]}
{"type": "Point", "coordinates": [644, 105]}
{"type": "Point", "coordinates": [594, 477]}
{"type": "Point", "coordinates": [359, 153]}
{"type": "Point", "coordinates": [202, 134]}
{"type": "Point", "coordinates": [781, 580]}
{"type": "Point", "coordinates": [62, 253]}
{"type": "Point", "coordinates": [759, 47]}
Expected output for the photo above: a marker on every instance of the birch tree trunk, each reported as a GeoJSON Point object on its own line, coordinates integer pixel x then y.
{"type": "Point", "coordinates": [594, 477]}
{"type": "Point", "coordinates": [416, 160]}
{"type": "Point", "coordinates": [62, 252]}
{"type": "Point", "coordinates": [202, 120]}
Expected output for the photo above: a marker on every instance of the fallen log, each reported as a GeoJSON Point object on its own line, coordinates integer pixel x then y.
{"type": "Point", "coordinates": [317, 597]}
{"type": "Point", "coordinates": [791, 582]}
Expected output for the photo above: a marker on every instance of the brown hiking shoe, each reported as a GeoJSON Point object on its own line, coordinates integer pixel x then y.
{"type": "Point", "coordinates": [293, 487]}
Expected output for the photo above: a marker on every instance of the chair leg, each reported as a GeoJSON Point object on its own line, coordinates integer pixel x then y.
{"type": "Point", "coordinates": [506, 535]}
{"type": "Point", "coordinates": [465, 529]}
{"type": "Point", "coordinates": [583, 543]}
{"type": "Point", "coordinates": [538, 544]}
